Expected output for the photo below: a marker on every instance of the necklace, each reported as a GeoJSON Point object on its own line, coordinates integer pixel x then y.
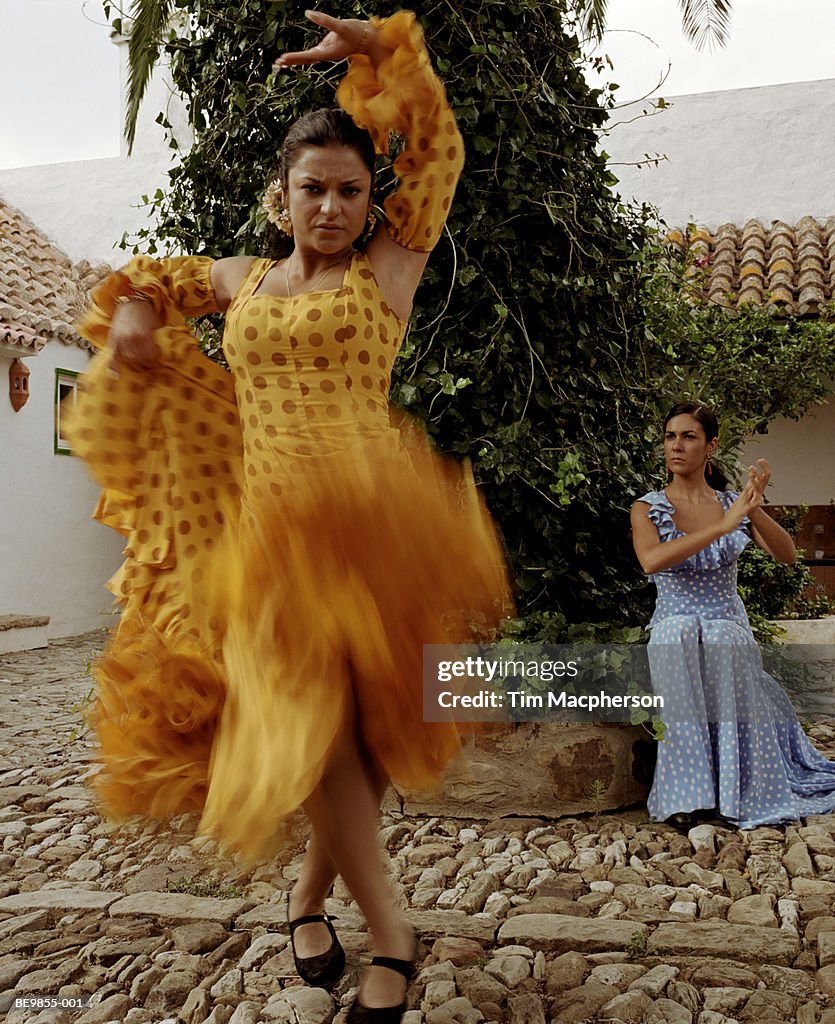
{"type": "Point", "coordinates": [321, 277]}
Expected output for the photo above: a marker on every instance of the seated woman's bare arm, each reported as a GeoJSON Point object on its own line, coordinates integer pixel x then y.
{"type": "Point", "coordinates": [655, 555]}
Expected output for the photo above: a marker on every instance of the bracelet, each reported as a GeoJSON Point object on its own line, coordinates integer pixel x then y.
{"type": "Point", "coordinates": [132, 296]}
{"type": "Point", "coordinates": [364, 39]}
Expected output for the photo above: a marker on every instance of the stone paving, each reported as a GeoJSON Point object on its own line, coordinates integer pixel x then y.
{"type": "Point", "coordinates": [521, 921]}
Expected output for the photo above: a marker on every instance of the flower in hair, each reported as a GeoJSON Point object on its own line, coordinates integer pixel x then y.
{"type": "Point", "coordinates": [273, 203]}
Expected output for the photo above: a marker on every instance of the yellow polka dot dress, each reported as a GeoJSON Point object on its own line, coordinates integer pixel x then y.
{"type": "Point", "coordinates": [291, 543]}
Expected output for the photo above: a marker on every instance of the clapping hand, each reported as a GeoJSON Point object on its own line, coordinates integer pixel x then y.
{"type": "Point", "coordinates": [751, 496]}
{"type": "Point", "coordinates": [345, 37]}
{"type": "Point", "coordinates": [760, 475]}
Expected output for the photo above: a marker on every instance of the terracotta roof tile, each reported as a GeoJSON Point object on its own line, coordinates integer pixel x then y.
{"type": "Point", "coordinates": [41, 292]}
{"type": "Point", "coordinates": [23, 337]}
{"type": "Point", "coordinates": [791, 269]}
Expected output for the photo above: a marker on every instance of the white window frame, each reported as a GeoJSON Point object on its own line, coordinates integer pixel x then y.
{"type": "Point", "coordinates": [66, 389]}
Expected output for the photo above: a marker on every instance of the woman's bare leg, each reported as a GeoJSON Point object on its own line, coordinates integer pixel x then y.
{"type": "Point", "coordinates": [343, 810]}
{"type": "Point", "coordinates": [314, 883]}
{"type": "Point", "coordinates": [308, 897]}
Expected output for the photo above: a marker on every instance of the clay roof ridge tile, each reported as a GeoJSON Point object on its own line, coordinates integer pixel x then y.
{"type": "Point", "coordinates": [808, 223]}
{"type": "Point", "coordinates": [780, 235]}
{"type": "Point", "coordinates": [812, 253]}
{"type": "Point", "coordinates": [816, 281]}
{"type": "Point", "coordinates": [813, 267]}
{"type": "Point", "coordinates": [810, 278]}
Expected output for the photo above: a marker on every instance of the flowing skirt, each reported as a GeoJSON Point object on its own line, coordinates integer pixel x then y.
{"type": "Point", "coordinates": [250, 618]}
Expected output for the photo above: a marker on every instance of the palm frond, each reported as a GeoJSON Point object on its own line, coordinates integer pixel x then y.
{"type": "Point", "coordinates": [593, 17]}
{"type": "Point", "coordinates": [149, 19]}
{"type": "Point", "coordinates": [706, 22]}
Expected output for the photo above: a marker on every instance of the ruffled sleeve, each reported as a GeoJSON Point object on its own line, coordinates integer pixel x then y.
{"type": "Point", "coordinates": [404, 96]}
{"type": "Point", "coordinates": [178, 287]}
{"type": "Point", "coordinates": [720, 552]}
{"type": "Point", "coordinates": [153, 440]}
{"type": "Point", "coordinates": [660, 514]}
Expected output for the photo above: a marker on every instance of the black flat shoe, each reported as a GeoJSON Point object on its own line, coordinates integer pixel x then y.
{"type": "Point", "coordinates": [682, 821]}
{"type": "Point", "coordinates": [324, 969]}
{"type": "Point", "coordinates": [361, 1014]}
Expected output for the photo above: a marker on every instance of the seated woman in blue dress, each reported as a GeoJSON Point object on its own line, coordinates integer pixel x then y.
{"type": "Point", "coordinates": [734, 747]}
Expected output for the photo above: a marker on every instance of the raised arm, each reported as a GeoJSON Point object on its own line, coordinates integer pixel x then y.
{"type": "Point", "coordinates": [767, 533]}
{"type": "Point", "coordinates": [391, 88]}
{"type": "Point", "coordinates": [655, 555]}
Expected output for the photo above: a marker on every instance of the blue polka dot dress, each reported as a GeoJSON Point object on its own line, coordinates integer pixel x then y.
{"type": "Point", "coordinates": [733, 740]}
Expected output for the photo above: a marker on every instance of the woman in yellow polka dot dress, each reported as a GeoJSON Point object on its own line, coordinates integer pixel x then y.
{"type": "Point", "coordinates": [290, 546]}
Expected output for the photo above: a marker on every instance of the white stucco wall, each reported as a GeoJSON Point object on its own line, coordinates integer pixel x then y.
{"type": "Point", "coordinates": [766, 153]}
{"type": "Point", "coordinates": [800, 455]}
{"type": "Point", "coordinates": [55, 559]}
{"type": "Point", "coordinates": [85, 207]}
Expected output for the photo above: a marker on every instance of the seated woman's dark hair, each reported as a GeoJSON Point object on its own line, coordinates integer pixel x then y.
{"type": "Point", "coordinates": [329, 126]}
{"type": "Point", "coordinates": [706, 416]}
{"type": "Point", "coordinates": [710, 424]}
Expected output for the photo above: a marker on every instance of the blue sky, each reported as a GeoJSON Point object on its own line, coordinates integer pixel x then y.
{"type": "Point", "coordinates": [59, 78]}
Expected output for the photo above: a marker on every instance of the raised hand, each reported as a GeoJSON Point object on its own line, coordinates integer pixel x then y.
{"type": "Point", "coordinates": [345, 36]}
{"type": "Point", "coordinates": [760, 475]}
{"type": "Point", "coordinates": [750, 498]}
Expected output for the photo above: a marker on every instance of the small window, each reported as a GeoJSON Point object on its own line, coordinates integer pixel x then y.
{"type": "Point", "coordinates": [66, 393]}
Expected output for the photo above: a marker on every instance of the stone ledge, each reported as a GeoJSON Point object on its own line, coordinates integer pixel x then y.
{"type": "Point", "coordinates": [807, 631]}
{"type": "Point", "coordinates": [564, 933]}
{"type": "Point", "coordinates": [715, 938]}
{"type": "Point", "coordinates": [22, 632]}
{"type": "Point", "coordinates": [22, 621]}
{"type": "Point", "coordinates": [180, 908]}
{"type": "Point", "coordinates": [65, 900]}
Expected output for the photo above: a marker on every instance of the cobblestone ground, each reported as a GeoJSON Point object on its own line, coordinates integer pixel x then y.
{"type": "Point", "coordinates": [608, 918]}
